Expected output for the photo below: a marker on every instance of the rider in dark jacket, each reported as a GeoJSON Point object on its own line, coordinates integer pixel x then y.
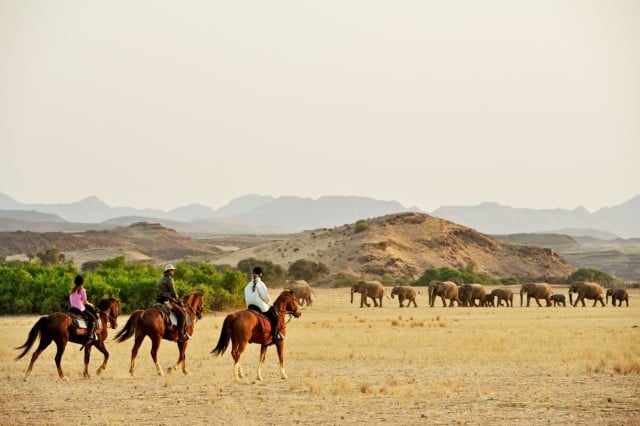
{"type": "Point", "coordinates": [167, 294]}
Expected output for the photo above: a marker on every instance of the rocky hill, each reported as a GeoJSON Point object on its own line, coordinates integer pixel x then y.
{"type": "Point", "coordinates": [407, 244]}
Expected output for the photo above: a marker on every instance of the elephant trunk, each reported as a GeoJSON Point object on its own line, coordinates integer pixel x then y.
{"type": "Point", "coordinates": [570, 298]}
{"type": "Point", "coordinates": [351, 295]}
{"type": "Point", "coordinates": [520, 298]}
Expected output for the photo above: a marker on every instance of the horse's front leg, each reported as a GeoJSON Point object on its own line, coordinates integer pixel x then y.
{"type": "Point", "coordinates": [87, 357]}
{"type": "Point", "coordinates": [263, 355]}
{"type": "Point", "coordinates": [280, 348]}
{"type": "Point", "coordinates": [182, 359]}
{"type": "Point", "coordinates": [101, 347]}
{"type": "Point", "coordinates": [61, 345]}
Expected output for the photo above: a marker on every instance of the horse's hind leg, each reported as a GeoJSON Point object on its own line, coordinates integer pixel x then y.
{"type": "Point", "coordinates": [45, 341]}
{"type": "Point", "coordinates": [236, 352]}
{"type": "Point", "coordinates": [134, 352]}
{"type": "Point", "coordinates": [155, 344]}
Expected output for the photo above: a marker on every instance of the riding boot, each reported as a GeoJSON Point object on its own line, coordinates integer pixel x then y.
{"type": "Point", "coordinates": [182, 327]}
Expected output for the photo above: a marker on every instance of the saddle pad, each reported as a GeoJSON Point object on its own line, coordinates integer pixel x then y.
{"type": "Point", "coordinates": [79, 323]}
{"type": "Point", "coordinates": [262, 332]}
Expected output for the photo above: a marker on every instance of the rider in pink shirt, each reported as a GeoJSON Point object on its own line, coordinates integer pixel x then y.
{"type": "Point", "coordinates": [80, 305]}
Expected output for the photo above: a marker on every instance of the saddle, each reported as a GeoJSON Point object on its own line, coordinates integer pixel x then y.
{"type": "Point", "coordinates": [168, 316]}
{"type": "Point", "coordinates": [80, 326]}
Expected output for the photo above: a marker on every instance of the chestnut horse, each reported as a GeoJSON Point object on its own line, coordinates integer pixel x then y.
{"type": "Point", "coordinates": [150, 322]}
{"type": "Point", "coordinates": [241, 328]}
{"type": "Point", "coordinates": [58, 328]}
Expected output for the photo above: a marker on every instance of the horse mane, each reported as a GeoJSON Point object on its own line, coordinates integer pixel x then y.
{"type": "Point", "coordinates": [282, 297]}
{"type": "Point", "coordinates": [187, 299]}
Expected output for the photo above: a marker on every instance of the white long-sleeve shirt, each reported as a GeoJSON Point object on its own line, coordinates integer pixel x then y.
{"type": "Point", "coordinates": [259, 297]}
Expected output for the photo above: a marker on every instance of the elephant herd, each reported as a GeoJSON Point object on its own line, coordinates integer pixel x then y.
{"type": "Point", "coordinates": [472, 294]}
{"type": "Point", "coordinates": [477, 295]}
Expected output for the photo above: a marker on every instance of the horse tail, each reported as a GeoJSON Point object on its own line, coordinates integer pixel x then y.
{"type": "Point", "coordinates": [225, 335]}
{"type": "Point", "coordinates": [34, 333]}
{"type": "Point", "coordinates": [130, 327]}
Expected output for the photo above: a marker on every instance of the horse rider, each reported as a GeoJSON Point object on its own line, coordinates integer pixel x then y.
{"type": "Point", "coordinates": [81, 306]}
{"type": "Point", "coordinates": [167, 294]}
{"type": "Point", "coordinates": [256, 297]}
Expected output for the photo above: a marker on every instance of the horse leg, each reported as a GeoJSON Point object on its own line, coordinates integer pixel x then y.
{"type": "Point", "coordinates": [182, 348]}
{"type": "Point", "coordinates": [280, 348]}
{"type": "Point", "coordinates": [236, 352]}
{"type": "Point", "coordinates": [61, 345]}
{"type": "Point", "coordinates": [45, 341]}
{"type": "Point", "coordinates": [87, 356]}
{"type": "Point", "coordinates": [263, 355]}
{"type": "Point", "coordinates": [101, 347]}
{"type": "Point", "coordinates": [134, 352]}
{"type": "Point", "coordinates": [155, 344]}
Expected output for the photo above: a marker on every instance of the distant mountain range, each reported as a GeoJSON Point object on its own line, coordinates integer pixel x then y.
{"type": "Point", "coordinates": [259, 214]}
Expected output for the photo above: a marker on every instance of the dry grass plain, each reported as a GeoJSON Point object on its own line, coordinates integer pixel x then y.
{"type": "Point", "coordinates": [347, 365]}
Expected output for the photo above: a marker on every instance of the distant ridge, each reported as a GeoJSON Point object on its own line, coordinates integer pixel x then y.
{"type": "Point", "coordinates": [266, 214]}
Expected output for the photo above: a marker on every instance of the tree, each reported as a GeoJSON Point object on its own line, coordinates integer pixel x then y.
{"type": "Point", "coordinates": [273, 274]}
{"type": "Point", "coordinates": [307, 270]}
{"type": "Point", "coordinates": [51, 256]}
{"type": "Point", "coordinates": [592, 275]}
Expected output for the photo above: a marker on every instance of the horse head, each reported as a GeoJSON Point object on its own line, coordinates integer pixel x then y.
{"type": "Point", "coordinates": [111, 308]}
{"type": "Point", "coordinates": [194, 300]}
{"type": "Point", "coordinates": [288, 302]}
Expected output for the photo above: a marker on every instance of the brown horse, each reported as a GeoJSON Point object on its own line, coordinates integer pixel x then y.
{"type": "Point", "coordinates": [150, 322]}
{"type": "Point", "coordinates": [242, 328]}
{"type": "Point", "coordinates": [58, 327]}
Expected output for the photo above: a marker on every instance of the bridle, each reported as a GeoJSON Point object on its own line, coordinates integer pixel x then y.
{"type": "Point", "coordinates": [111, 318]}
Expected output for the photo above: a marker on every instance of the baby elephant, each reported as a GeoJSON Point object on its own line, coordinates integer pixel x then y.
{"type": "Point", "coordinates": [404, 293]}
{"type": "Point", "coordinates": [558, 299]}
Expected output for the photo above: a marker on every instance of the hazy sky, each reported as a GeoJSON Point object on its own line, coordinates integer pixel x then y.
{"type": "Point", "coordinates": [159, 104]}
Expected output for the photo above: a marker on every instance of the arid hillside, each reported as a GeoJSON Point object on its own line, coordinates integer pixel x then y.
{"type": "Point", "coordinates": [403, 244]}
{"type": "Point", "coordinates": [407, 244]}
{"type": "Point", "coordinates": [139, 241]}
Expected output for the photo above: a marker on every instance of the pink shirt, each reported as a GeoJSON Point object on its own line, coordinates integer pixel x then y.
{"type": "Point", "coordinates": [77, 299]}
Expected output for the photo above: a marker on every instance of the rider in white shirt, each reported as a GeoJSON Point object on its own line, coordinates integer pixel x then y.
{"type": "Point", "coordinates": [257, 295]}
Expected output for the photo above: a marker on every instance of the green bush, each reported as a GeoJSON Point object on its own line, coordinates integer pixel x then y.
{"type": "Point", "coordinates": [34, 288]}
{"type": "Point", "coordinates": [361, 226]}
{"type": "Point", "coordinates": [593, 275]}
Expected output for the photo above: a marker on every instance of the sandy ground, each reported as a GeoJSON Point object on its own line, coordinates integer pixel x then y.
{"type": "Point", "coordinates": [441, 366]}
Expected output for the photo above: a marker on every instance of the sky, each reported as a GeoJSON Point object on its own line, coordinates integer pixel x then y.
{"type": "Point", "coordinates": [160, 104]}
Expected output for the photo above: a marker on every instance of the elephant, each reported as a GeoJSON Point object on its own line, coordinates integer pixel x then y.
{"type": "Point", "coordinates": [430, 290]}
{"type": "Point", "coordinates": [405, 293]}
{"type": "Point", "coordinates": [446, 290]}
{"type": "Point", "coordinates": [488, 300]}
{"type": "Point", "coordinates": [302, 290]}
{"type": "Point", "coordinates": [503, 294]}
{"type": "Point", "coordinates": [537, 291]}
{"type": "Point", "coordinates": [558, 299]}
{"type": "Point", "coordinates": [469, 293]}
{"type": "Point", "coordinates": [617, 294]}
{"type": "Point", "coordinates": [372, 289]}
{"type": "Point", "coordinates": [587, 290]}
